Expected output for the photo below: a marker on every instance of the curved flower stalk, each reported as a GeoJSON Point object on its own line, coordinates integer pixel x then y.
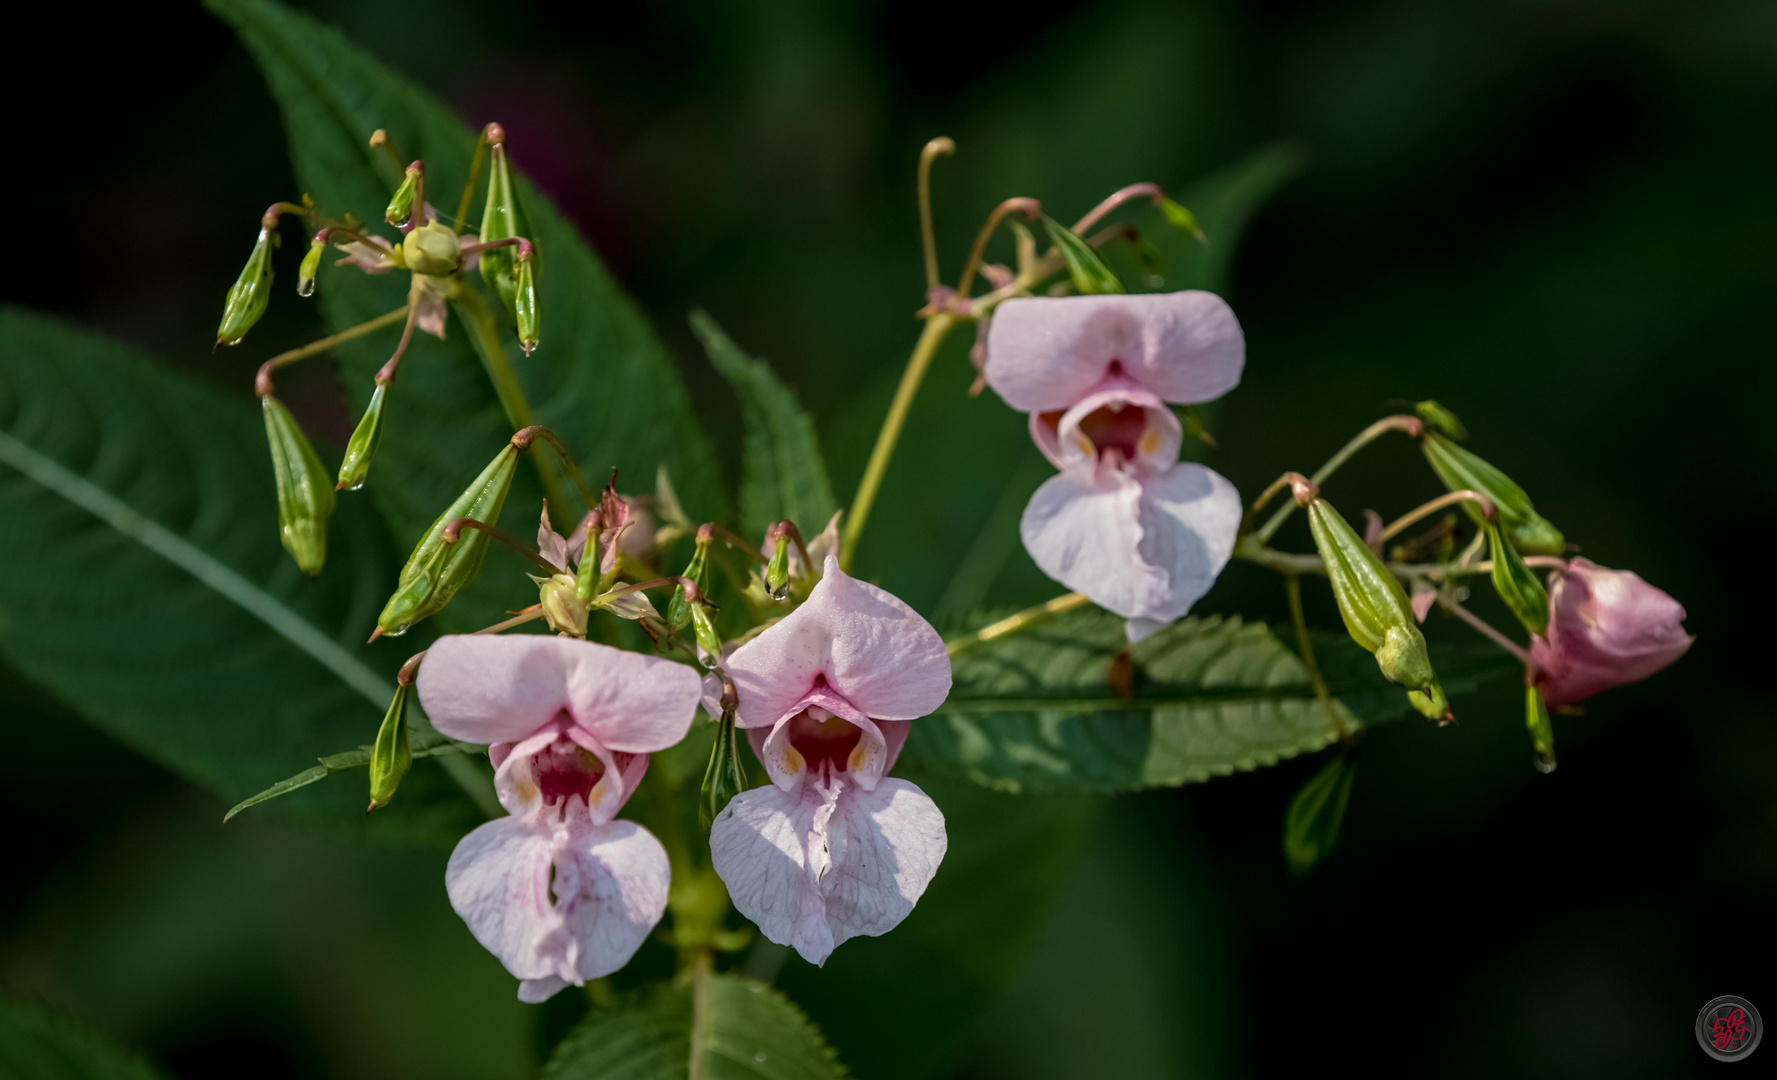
{"type": "Point", "coordinates": [1127, 523]}
{"type": "Point", "coordinates": [559, 891]}
{"type": "Point", "coordinates": [833, 848]}
{"type": "Point", "coordinates": [1606, 628]}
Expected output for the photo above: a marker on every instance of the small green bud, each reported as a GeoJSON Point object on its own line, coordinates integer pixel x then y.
{"type": "Point", "coordinates": [1459, 468]}
{"type": "Point", "coordinates": [1442, 419]}
{"type": "Point", "coordinates": [777, 571]}
{"type": "Point", "coordinates": [1430, 702]}
{"type": "Point", "coordinates": [1311, 825]}
{"type": "Point", "coordinates": [707, 638]}
{"type": "Point", "coordinates": [401, 203]}
{"type": "Point", "coordinates": [305, 498]}
{"type": "Point", "coordinates": [1517, 584]}
{"type": "Point", "coordinates": [1181, 218]}
{"type": "Point", "coordinates": [251, 292]}
{"type": "Point", "coordinates": [678, 609]}
{"type": "Point", "coordinates": [503, 219]}
{"type": "Point", "coordinates": [356, 467]}
{"type": "Point", "coordinates": [562, 607]}
{"type": "Point", "coordinates": [724, 778]}
{"type": "Point", "coordinates": [1371, 602]}
{"type": "Point", "coordinates": [391, 756]}
{"type": "Point", "coordinates": [1542, 729]}
{"type": "Point", "coordinates": [1091, 276]}
{"type": "Point", "coordinates": [311, 265]}
{"type": "Point", "coordinates": [431, 250]}
{"type": "Point", "coordinates": [524, 300]}
{"type": "Point", "coordinates": [438, 568]}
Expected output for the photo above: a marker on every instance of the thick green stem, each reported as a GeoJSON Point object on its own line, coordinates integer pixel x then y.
{"type": "Point", "coordinates": [484, 334]}
{"type": "Point", "coordinates": [937, 326]}
{"type": "Point", "coordinates": [1012, 624]}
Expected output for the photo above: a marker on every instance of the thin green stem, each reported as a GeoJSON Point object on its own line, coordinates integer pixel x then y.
{"type": "Point", "coordinates": [1013, 624]}
{"type": "Point", "coordinates": [1292, 584]}
{"type": "Point", "coordinates": [937, 326]}
{"type": "Point", "coordinates": [469, 185]}
{"type": "Point", "coordinates": [1487, 630]}
{"type": "Point", "coordinates": [1029, 207]}
{"type": "Point", "coordinates": [1419, 513]}
{"type": "Point", "coordinates": [935, 149]}
{"type": "Point", "coordinates": [263, 385]}
{"type": "Point", "coordinates": [1412, 425]}
{"type": "Point", "coordinates": [484, 333]}
{"type": "Point", "coordinates": [200, 564]}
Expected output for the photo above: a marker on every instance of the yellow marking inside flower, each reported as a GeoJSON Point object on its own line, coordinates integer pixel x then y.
{"type": "Point", "coordinates": [792, 760]}
{"type": "Point", "coordinates": [1085, 445]}
{"type": "Point", "coordinates": [598, 792]}
{"type": "Point", "coordinates": [856, 761]}
{"type": "Point", "coordinates": [526, 791]}
{"type": "Point", "coordinates": [1150, 442]}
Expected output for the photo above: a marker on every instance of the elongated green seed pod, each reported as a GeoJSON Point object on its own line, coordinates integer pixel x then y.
{"type": "Point", "coordinates": [1517, 584]}
{"type": "Point", "coordinates": [503, 219]}
{"type": "Point", "coordinates": [355, 468]}
{"type": "Point", "coordinates": [1460, 468]}
{"type": "Point", "coordinates": [391, 755]}
{"type": "Point", "coordinates": [305, 498]}
{"type": "Point", "coordinates": [437, 568]}
{"type": "Point", "coordinates": [251, 292]}
{"type": "Point", "coordinates": [1371, 602]}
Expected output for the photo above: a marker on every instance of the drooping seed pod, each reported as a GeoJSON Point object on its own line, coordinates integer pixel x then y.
{"type": "Point", "coordinates": [305, 498]}
{"type": "Point", "coordinates": [251, 292]}
{"type": "Point", "coordinates": [439, 567]}
{"type": "Point", "coordinates": [355, 468]}
{"type": "Point", "coordinates": [1312, 824]}
{"type": "Point", "coordinates": [1460, 468]}
{"type": "Point", "coordinates": [391, 755]}
{"type": "Point", "coordinates": [401, 203]}
{"type": "Point", "coordinates": [1517, 584]}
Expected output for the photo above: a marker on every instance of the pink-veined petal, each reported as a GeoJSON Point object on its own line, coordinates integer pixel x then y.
{"type": "Point", "coordinates": [498, 881]}
{"type": "Point", "coordinates": [872, 649]}
{"type": "Point", "coordinates": [430, 316]}
{"type": "Point", "coordinates": [769, 847]}
{"type": "Point", "coordinates": [1146, 550]}
{"type": "Point", "coordinates": [611, 884]}
{"type": "Point", "coordinates": [1045, 353]}
{"type": "Point", "coordinates": [885, 845]}
{"type": "Point", "coordinates": [491, 689]}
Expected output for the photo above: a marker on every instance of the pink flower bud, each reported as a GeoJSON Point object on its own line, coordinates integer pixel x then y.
{"type": "Point", "coordinates": [1606, 628]}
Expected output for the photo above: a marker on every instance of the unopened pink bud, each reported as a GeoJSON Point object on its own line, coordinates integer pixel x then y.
{"type": "Point", "coordinates": [1606, 628]}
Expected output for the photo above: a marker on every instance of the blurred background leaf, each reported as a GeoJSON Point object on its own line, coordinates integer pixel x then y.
{"type": "Point", "coordinates": [37, 1046]}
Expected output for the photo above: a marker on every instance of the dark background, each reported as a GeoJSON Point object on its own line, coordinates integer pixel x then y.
{"type": "Point", "coordinates": [1557, 217]}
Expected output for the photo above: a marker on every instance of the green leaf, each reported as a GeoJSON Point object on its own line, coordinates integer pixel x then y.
{"type": "Point", "coordinates": [426, 744]}
{"type": "Point", "coordinates": [1041, 711]}
{"type": "Point", "coordinates": [37, 1046]}
{"type": "Point", "coordinates": [1090, 274]}
{"type": "Point", "coordinates": [741, 1030]}
{"type": "Point", "coordinates": [784, 476]}
{"type": "Point", "coordinates": [600, 378]}
{"type": "Point", "coordinates": [144, 584]}
{"type": "Point", "coordinates": [1312, 822]}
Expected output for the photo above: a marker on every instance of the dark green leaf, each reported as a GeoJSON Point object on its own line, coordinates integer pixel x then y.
{"type": "Point", "coordinates": [37, 1046]}
{"type": "Point", "coordinates": [1312, 822]}
{"type": "Point", "coordinates": [600, 378]}
{"type": "Point", "coordinates": [784, 475]}
{"type": "Point", "coordinates": [147, 588]}
{"type": "Point", "coordinates": [746, 1031]}
{"type": "Point", "coordinates": [1040, 711]}
{"type": "Point", "coordinates": [1089, 273]}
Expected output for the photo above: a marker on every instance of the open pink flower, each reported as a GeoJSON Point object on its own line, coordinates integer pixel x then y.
{"type": "Point", "coordinates": [833, 849]}
{"type": "Point", "coordinates": [1127, 523]}
{"type": "Point", "coordinates": [1606, 628]}
{"type": "Point", "coordinates": [558, 891]}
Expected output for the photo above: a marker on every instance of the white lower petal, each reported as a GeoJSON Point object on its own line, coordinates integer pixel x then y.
{"type": "Point", "coordinates": [769, 847]}
{"type": "Point", "coordinates": [498, 881]}
{"type": "Point", "coordinates": [611, 883]}
{"type": "Point", "coordinates": [1146, 550]}
{"type": "Point", "coordinates": [886, 845]}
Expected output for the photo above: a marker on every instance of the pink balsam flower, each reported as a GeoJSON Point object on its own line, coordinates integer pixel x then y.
{"type": "Point", "coordinates": [832, 848]}
{"type": "Point", "coordinates": [1606, 628]}
{"type": "Point", "coordinates": [559, 891]}
{"type": "Point", "coordinates": [1127, 523]}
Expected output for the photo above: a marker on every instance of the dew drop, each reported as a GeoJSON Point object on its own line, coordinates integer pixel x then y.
{"type": "Point", "coordinates": [759, 1057]}
{"type": "Point", "coordinates": [305, 287]}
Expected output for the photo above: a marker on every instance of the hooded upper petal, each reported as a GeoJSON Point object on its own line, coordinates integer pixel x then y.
{"type": "Point", "coordinates": [1606, 628]}
{"type": "Point", "coordinates": [1046, 353]}
{"type": "Point", "coordinates": [830, 862]}
{"type": "Point", "coordinates": [1146, 549]}
{"type": "Point", "coordinates": [868, 646]}
{"type": "Point", "coordinates": [493, 688]}
{"type": "Point", "coordinates": [562, 905]}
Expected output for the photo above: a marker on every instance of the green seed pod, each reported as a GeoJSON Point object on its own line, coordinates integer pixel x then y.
{"type": "Point", "coordinates": [305, 498]}
{"type": "Point", "coordinates": [251, 291]}
{"type": "Point", "coordinates": [311, 265]}
{"type": "Point", "coordinates": [1311, 825]}
{"type": "Point", "coordinates": [707, 638]}
{"type": "Point", "coordinates": [678, 609]}
{"type": "Point", "coordinates": [777, 571]}
{"type": "Point", "coordinates": [1091, 276]}
{"type": "Point", "coordinates": [1542, 729]}
{"type": "Point", "coordinates": [1458, 468]}
{"type": "Point", "coordinates": [437, 568]}
{"type": "Point", "coordinates": [362, 448]}
{"type": "Point", "coordinates": [524, 301]}
{"type": "Point", "coordinates": [392, 755]}
{"type": "Point", "coordinates": [1516, 584]}
{"type": "Point", "coordinates": [1372, 603]}
{"type": "Point", "coordinates": [503, 219]}
{"type": "Point", "coordinates": [1181, 218]}
{"type": "Point", "coordinates": [1442, 419]}
{"type": "Point", "coordinates": [401, 203]}
{"type": "Point", "coordinates": [431, 250]}
{"type": "Point", "coordinates": [724, 778]}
